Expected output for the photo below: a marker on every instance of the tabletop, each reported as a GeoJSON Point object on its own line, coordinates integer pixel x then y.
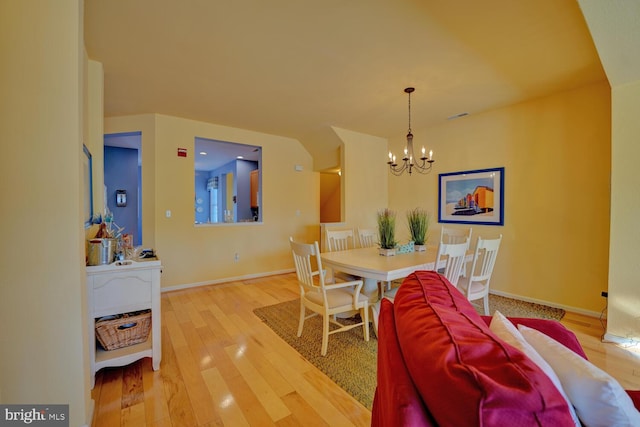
{"type": "Point", "coordinates": [367, 263]}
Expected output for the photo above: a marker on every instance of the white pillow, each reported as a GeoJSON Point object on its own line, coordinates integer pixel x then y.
{"type": "Point", "coordinates": [598, 398]}
{"type": "Point", "coordinates": [505, 330]}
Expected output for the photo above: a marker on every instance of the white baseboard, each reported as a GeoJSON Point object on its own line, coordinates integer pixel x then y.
{"type": "Point", "coordinates": [225, 280]}
{"type": "Point", "coordinates": [595, 314]}
{"type": "Point", "coordinates": [618, 340]}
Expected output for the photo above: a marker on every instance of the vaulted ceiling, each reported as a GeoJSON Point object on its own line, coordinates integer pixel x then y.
{"type": "Point", "coordinates": [298, 67]}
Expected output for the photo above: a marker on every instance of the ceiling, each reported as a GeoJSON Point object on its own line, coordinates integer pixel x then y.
{"type": "Point", "coordinates": [297, 68]}
{"type": "Point", "coordinates": [211, 154]}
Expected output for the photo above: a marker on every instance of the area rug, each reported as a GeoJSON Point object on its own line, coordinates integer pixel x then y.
{"type": "Point", "coordinates": [517, 308]}
{"type": "Point", "coordinates": [351, 361]}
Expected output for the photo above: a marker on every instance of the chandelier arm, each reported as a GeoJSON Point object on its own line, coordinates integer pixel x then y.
{"type": "Point", "coordinates": [397, 171]}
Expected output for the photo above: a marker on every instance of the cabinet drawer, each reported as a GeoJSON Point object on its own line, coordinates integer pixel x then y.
{"type": "Point", "coordinates": [112, 292]}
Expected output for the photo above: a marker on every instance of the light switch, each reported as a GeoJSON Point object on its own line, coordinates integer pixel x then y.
{"type": "Point", "coordinates": [168, 213]}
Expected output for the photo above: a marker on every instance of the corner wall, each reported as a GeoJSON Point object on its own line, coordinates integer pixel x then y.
{"type": "Point", "coordinates": [364, 181]}
{"type": "Point", "coordinates": [43, 356]}
{"type": "Point", "coordinates": [623, 315]}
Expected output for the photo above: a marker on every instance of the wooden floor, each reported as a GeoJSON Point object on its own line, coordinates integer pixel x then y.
{"type": "Point", "coordinates": [221, 366]}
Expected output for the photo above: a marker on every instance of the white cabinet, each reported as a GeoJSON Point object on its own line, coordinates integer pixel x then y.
{"type": "Point", "coordinates": [123, 287]}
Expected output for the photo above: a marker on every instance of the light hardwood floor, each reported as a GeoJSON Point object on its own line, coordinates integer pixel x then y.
{"type": "Point", "coordinates": [222, 366]}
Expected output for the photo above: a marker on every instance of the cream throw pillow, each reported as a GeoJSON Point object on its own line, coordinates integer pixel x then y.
{"type": "Point", "coordinates": [505, 330]}
{"type": "Point", "coordinates": [598, 398]}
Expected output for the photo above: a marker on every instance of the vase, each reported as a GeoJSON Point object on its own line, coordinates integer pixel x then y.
{"type": "Point", "coordinates": [387, 252]}
{"type": "Point", "coordinates": [419, 248]}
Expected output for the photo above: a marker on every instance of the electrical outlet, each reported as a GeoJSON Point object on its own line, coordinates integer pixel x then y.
{"type": "Point", "coordinates": [605, 294]}
{"type": "Point", "coordinates": [236, 257]}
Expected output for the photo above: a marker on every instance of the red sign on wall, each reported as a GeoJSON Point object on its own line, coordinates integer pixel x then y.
{"type": "Point", "coordinates": [182, 152]}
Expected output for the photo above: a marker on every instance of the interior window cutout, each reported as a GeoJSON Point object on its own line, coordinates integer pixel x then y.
{"type": "Point", "coordinates": [228, 182]}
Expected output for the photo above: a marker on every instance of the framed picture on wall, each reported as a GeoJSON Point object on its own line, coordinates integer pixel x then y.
{"type": "Point", "coordinates": [472, 197]}
{"type": "Point", "coordinates": [87, 181]}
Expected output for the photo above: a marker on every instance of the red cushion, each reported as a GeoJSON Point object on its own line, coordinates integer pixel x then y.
{"type": "Point", "coordinates": [635, 397]}
{"type": "Point", "coordinates": [463, 372]}
{"type": "Point", "coordinates": [396, 402]}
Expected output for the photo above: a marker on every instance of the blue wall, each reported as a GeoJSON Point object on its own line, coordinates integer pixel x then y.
{"type": "Point", "coordinates": [121, 173]}
{"type": "Point", "coordinates": [241, 170]}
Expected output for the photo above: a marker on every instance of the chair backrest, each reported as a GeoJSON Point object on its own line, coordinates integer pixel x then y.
{"type": "Point", "coordinates": [455, 235]}
{"type": "Point", "coordinates": [368, 237]}
{"type": "Point", "coordinates": [338, 240]}
{"type": "Point", "coordinates": [484, 259]}
{"type": "Point", "coordinates": [303, 254]}
{"type": "Point", "coordinates": [455, 253]}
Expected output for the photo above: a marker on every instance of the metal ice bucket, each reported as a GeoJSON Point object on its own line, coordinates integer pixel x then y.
{"type": "Point", "coordinates": [102, 251]}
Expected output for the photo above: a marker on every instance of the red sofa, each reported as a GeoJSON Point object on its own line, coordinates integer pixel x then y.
{"type": "Point", "coordinates": [439, 364]}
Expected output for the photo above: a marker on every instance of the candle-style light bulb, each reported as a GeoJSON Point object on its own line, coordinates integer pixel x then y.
{"type": "Point", "coordinates": [423, 151]}
{"type": "Point", "coordinates": [390, 155]}
{"type": "Point", "coordinates": [430, 154]}
{"type": "Point", "coordinates": [405, 151]}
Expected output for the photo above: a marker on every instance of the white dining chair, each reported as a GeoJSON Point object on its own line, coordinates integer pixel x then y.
{"type": "Point", "coordinates": [456, 235]}
{"type": "Point", "coordinates": [326, 299]}
{"type": "Point", "coordinates": [453, 257]}
{"type": "Point", "coordinates": [368, 237]}
{"type": "Point", "coordinates": [476, 286]}
{"type": "Point", "coordinates": [340, 240]}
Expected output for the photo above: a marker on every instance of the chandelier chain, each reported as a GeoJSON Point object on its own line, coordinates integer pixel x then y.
{"type": "Point", "coordinates": [409, 112]}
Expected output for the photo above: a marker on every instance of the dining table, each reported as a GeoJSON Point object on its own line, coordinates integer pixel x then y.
{"type": "Point", "coordinates": [372, 267]}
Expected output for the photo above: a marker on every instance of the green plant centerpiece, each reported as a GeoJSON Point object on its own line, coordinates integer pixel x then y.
{"type": "Point", "coordinates": [418, 221]}
{"type": "Point", "coordinates": [387, 231]}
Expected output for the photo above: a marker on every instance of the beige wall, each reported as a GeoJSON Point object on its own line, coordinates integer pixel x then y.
{"type": "Point", "coordinates": [556, 154]}
{"type": "Point", "coordinates": [205, 254]}
{"type": "Point", "coordinates": [624, 273]}
{"type": "Point", "coordinates": [364, 181]}
{"type": "Point", "coordinates": [95, 140]}
{"type": "Point", "coordinates": [43, 356]}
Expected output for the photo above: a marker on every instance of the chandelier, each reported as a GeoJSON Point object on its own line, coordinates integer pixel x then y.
{"type": "Point", "coordinates": [409, 164]}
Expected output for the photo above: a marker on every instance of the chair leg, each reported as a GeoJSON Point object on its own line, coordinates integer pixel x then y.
{"type": "Point", "coordinates": [301, 321]}
{"type": "Point", "coordinates": [364, 313]}
{"type": "Point", "coordinates": [375, 312]}
{"type": "Point", "coordinates": [325, 334]}
{"type": "Point", "coordinates": [486, 305]}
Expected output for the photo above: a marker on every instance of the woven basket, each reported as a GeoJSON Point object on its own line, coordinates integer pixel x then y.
{"type": "Point", "coordinates": [123, 330]}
